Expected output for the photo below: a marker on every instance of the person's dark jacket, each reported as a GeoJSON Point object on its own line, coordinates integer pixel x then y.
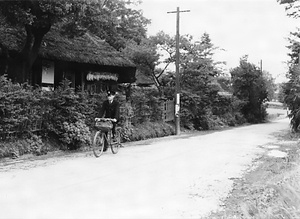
{"type": "Point", "coordinates": [110, 110]}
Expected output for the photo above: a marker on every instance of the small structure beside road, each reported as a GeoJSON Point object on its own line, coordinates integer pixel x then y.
{"type": "Point", "coordinates": [86, 61]}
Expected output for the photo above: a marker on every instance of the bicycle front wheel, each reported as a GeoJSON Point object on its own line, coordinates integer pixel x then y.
{"type": "Point", "coordinates": [98, 143]}
{"type": "Point", "coordinates": [115, 145]}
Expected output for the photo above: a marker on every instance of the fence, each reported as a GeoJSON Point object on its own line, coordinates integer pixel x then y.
{"type": "Point", "coordinates": [24, 127]}
{"type": "Point", "coordinates": [130, 117]}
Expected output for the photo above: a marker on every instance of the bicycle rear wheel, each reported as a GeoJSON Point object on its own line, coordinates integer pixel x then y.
{"type": "Point", "coordinates": [115, 145]}
{"type": "Point", "coordinates": [98, 143]}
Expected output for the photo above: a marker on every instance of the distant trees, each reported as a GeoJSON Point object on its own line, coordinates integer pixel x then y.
{"type": "Point", "coordinates": [270, 85]}
{"type": "Point", "coordinates": [202, 107]}
{"type": "Point", "coordinates": [198, 82]}
{"type": "Point", "coordinates": [249, 86]}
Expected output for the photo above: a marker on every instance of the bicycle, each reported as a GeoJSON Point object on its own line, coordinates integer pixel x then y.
{"type": "Point", "coordinates": [104, 136]}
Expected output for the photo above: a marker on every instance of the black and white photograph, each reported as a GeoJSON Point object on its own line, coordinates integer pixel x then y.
{"type": "Point", "coordinates": [149, 109]}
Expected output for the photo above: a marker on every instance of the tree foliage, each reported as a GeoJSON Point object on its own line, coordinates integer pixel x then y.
{"type": "Point", "coordinates": [116, 22]}
{"type": "Point", "coordinates": [291, 89]}
{"type": "Point", "coordinates": [113, 21]}
{"type": "Point", "coordinates": [196, 55]}
{"type": "Point", "coordinates": [36, 19]}
{"type": "Point", "coordinates": [270, 85]}
{"type": "Point", "coordinates": [145, 56]}
{"type": "Point", "coordinates": [292, 7]}
{"type": "Point", "coordinates": [291, 93]}
{"type": "Point", "coordinates": [202, 106]}
{"type": "Point", "coordinates": [250, 87]}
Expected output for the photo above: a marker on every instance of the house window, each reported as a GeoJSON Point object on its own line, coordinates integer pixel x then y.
{"type": "Point", "coordinates": [47, 75]}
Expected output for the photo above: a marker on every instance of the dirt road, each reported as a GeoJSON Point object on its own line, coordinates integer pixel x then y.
{"type": "Point", "coordinates": [186, 177]}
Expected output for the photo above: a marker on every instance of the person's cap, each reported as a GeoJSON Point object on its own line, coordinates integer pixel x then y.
{"type": "Point", "coordinates": [109, 92]}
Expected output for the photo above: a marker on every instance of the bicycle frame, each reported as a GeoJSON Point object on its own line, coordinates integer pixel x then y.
{"type": "Point", "coordinates": [101, 138]}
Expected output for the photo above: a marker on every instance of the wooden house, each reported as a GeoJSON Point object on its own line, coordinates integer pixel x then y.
{"type": "Point", "coordinates": [87, 61]}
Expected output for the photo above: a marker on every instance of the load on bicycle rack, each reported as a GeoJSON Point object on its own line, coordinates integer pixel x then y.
{"type": "Point", "coordinates": [103, 137]}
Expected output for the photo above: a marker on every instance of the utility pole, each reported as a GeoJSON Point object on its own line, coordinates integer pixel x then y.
{"type": "Point", "coordinates": [177, 86]}
{"type": "Point", "coordinates": [261, 70]}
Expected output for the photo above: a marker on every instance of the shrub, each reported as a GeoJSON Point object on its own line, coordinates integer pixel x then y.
{"type": "Point", "coordinates": [20, 105]}
{"type": "Point", "coordinates": [145, 105]}
{"type": "Point", "coordinates": [18, 147]}
{"type": "Point", "coordinates": [70, 115]}
{"type": "Point", "coordinates": [146, 130]}
{"type": "Point", "coordinates": [36, 145]}
{"type": "Point", "coordinates": [75, 134]}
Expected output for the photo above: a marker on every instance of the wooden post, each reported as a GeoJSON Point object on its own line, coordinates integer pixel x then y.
{"type": "Point", "coordinates": [177, 86]}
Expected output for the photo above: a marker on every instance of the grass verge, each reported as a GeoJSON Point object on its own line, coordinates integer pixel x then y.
{"type": "Point", "coordinates": [272, 190]}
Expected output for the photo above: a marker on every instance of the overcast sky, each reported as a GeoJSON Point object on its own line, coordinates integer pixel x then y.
{"type": "Point", "coordinates": [257, 28]}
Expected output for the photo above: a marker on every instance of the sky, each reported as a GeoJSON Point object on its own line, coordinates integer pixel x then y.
{"type": "Point", "coordinates": [257, 28]}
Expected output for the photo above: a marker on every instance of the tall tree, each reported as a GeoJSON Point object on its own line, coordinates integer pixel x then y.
{"type": "Point", "coordinates": [291, 89]}
{"type": "Point", "coordinates": [166, 47]}
{"type": "Point", "coordinates": [117, 22]}
{"type": "Point", "coordinates": [249, 86]}
{"type": "Point", "coordinates": [195, 55]}
{"type": "Point", "coordinates": [145, 56]}
{"type": "Point", "coordinates": [113, 21]}
{"type": "Point", "coordinates": [35, 18]}
{"type": "Point", "coordinates": [197, 76]}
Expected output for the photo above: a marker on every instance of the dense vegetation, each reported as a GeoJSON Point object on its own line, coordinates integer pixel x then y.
{"type": "Point", "coordinates": [249, 86]}
{"type": "Point", "coordinates": [290, 91]}
{"type": "Point", "coordinates": [30, 117]}
{"type": "Point", "coordinates": [114, 21]}
{"type": "Point", "coordinates": [210, 98]}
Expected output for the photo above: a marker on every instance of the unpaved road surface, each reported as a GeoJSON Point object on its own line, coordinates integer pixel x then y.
{"type": "Point", "coordinates": [174, 177]}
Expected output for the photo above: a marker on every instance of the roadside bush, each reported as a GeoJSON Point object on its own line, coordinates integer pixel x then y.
{"type": "Point", "coordinates": [145, 105]}
{"type": "Point", "coordinates": [90, 105]}
{"type": "Point", "coordinates": [146, 130]}
{"type": "Point", "coordinates": [36, 145]}
{"type": "Point", "coordinates": [76, 134]}
{"type": "Point", "coordinates": [214, 122]}
{"type": "Point", "coordinates": [228, 109]}
{"type": "Point", "coordinates": [198, 113]}
{"type": "Point", "coordinates": [18, 147]}
{"type": "Point", "coordinates": [69, 116]}
{"type": "Point", "coordinates": [20, 105]}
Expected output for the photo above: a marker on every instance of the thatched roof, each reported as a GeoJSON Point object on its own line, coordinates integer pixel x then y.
{"type": "Point", "coordinates": [84, 49]}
